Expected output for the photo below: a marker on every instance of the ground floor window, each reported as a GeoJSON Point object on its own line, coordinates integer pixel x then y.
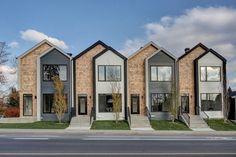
{"type": "Point", "coordinates": [48, 103]}
{"type": "Point", "coordinates": [160, 102]}
{"type": "Point", "coordinates": [106, 102]}
{"type": "Point", "coordinates": [211, 102]}
{"type": "Point", "coordinates": [27, 105]}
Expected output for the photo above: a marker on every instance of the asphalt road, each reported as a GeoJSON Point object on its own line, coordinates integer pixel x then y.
{"type": "Point", "coordinates": [115, 145]}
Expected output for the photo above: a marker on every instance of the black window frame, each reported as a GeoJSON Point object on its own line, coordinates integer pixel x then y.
{"type": "Point", "coordinates": [107, 94]}
{"type": "Point", "coordinates": [157, 66]}
{"type": "Point", "coordinates": [52, 103]}
{"type": "Point", "coordinates": [206, 78]}
{"type": "Point", "coordinates": [105, 73]}
{"type": "Point", "coordinates": [59, 76]}
{"type": "Point", "coordinates": [31, 95]}
{"type": "Point", "coordinates": [157, 98]}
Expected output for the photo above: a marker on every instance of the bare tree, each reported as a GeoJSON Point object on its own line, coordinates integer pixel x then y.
{"type": "Point", "coordinates": [3, 59]}
{"type": "Point", "coordinates": [59, 100]}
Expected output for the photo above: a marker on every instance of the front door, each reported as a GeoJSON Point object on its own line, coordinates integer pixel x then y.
{"type": "Point", "coordinates": [185, 104]}
{"type": "Point", "coordinates": [134, 104]}
{"type": "Point", "coordinates": [82, 105]}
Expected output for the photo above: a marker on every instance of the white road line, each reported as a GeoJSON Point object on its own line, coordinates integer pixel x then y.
{"type": "Point", "coordinates": [115, 154]}
{"type": "Point", "coordinates": [30, 138]}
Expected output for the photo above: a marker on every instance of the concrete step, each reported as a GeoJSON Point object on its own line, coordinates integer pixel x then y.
{"type": "Point", "coordinates": [80, 123]}
{"type": "Point", "coordinates": [140, 122]}
{"type": "Point", "coordinates": [198, 124]}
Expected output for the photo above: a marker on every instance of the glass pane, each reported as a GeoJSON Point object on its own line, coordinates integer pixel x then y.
{"type": "Point", "coordinates": [212, 102]}
{"type": "Point", "coordinates": [63, 72]}
{"type": "Point", "coordinates": [135, 104]}
{"type": "Point", "coordinates": [27, 105]}
{"type": "Point", "coordinates": [49, 71]}
{"type": "Point", "coordinates": [213, 73]}
{"type": "Point", "coordinates": [113, 73]}
{"type": "Point", "coordinates": [164, 73]}
{"type": "Point", "coordinates": [154, 103]}
{"type": "Point", "coordinates": [153, 73]}
{"type": "Point", "coordinates": [101, 73]}
{"type": "Point", "coordinates": [203, 73]}
{"type": "Point", "coordinates": [82, 105]}
{"type": "Point", "coordinates": [48, 103]}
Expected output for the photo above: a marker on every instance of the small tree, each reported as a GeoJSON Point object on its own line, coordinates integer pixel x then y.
{"type": "Point", "coordinates": [59, 100]}
{"type": "Point", "coordinates": [13, 98]}
{"type": "Point", "coordinates": [116, 100]}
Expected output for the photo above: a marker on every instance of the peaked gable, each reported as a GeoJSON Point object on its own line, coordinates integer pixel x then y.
{"type": "Point", "coordinates": [99, 42]}
{"type": "Point", "coordinates": [214, 53]}
{"type": "Point", "coordinates": [112, 50]}
{"type": "Point", "coordinates": [189, 51]}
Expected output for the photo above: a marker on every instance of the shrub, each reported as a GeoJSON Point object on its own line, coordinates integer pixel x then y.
{"type": "Point", "coordinates": [12, 112]}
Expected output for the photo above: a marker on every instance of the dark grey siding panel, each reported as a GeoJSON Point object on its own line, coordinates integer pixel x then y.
{"type": "Point", "coordinates": [161, 59]}
{"type": "Point", "coordinates": [55, 57]}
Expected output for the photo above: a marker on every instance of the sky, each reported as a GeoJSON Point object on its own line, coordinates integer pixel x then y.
{"type": "Point", "coordinates": [126, 25]}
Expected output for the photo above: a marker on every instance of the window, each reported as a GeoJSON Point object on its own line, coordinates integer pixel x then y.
{"type": "Point", "coordinates": [51, 70]}
{"type": "Point", "coordinates": [210, 73]}
{"type": "Point", "coordinates": [161, 73]}
{"type": "Point", "coordinates": [48, 103]}
{"type": "Point", "coordinates": [109, 73]}
{"type": "Point", "coordinates": [160, 102]}
{"type": "Point", "coordinates": [106, 102]}
{"type": "Point", "coordinates": [211, 102]}
{"type": "Point", "coordinates": [27, 105]}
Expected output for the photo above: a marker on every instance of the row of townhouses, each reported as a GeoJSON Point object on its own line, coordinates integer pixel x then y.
{"type": "Point", "coordinates": [146, 80]}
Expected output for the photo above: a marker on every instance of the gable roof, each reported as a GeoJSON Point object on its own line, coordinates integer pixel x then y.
{"type": "Point", "coordinates": [151, 43]}
{"type": "Point", "coordinates": [111, 49]}
{"type": "Point", "coordinates": [58, 49]}
{"type": "Point", "coordinates": [164, 51]}
{"type": "Point", "coordinates": [99, 42]}
{"type": "Point", "coordinates": [189, 51]}
{"type": "Point", "coordinates": [35, 47]}
{"type": "Point", "coordinates": [213, 52]}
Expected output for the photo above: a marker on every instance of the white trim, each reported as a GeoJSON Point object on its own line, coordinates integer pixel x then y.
{"type": "Point", "coordinates": [145, 46]}
{"type": "Point", "coordinates": [72, 83]}
{"type": "Point", "coordinates": [38, 90]}
{"type": "Point", "coordinates": [34, 47]}
{"type": "Point", "coordinates": [146, 84]}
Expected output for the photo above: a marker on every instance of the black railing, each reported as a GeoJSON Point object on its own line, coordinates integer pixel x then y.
{"type": "Point", "coordinates": [184, 115]}
{"type": "Point", "coordinates": [92, 114]}
{"type": "Point", "coordinates": [205, 116]}
{"type": "Point", "coordinates": [148, 114]}
{"type": "Point", "coordinates": [129, 117]}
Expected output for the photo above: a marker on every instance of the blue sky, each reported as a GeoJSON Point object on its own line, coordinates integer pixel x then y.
{"type": "Point", "coordinates": [123, 24]}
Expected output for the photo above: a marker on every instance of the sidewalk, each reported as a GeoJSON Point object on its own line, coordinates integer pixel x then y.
{"type": "Point", "coordinates": [115, 132]}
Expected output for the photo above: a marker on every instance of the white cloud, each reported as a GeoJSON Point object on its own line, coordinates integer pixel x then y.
{"type": "Point", "coordinates": [36, 36]}
{"type": "Point", "coordinates": [11, 77]}
{"type": "Point", "coordinates": [131, 46]}
{"type": "Point", "coordinates": [13, 44]}
{"type": "Point", "coordinates": [215, 27]}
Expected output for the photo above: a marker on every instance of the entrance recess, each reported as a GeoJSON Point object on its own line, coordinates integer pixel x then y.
{"type": "Point", "coordinates": [134, 104]}
{"type": "Point", "coordinates": [185, 104]}
{"type": "Point", "coordinates": [82, 105]}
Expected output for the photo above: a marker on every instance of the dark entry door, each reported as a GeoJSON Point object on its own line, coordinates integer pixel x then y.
{"type": "Point", "coordinates": [135, 104]}
{"type": "Point", "coordinates": [185, 104]}
{"type": "Point", "coordinates": [82, 105]}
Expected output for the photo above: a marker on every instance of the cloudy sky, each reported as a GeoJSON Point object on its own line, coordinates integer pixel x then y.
{"type": "Point", "coordinates": [126, 25]}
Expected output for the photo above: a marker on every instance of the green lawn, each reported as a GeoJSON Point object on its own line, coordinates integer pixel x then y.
{"type": "Point", "coordinates": [110, 125]}
{"type": "Point", "coordinates": [219, 125]}
{"type": "Point", "coordinates": [168, 125]}
{"type": "Point", "coordinates": [35, 125]}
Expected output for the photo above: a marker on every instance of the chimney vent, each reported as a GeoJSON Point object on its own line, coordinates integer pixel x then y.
{"type": "Point", "coordinates": [186, 50]}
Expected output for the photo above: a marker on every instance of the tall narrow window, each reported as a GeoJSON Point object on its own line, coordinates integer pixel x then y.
{"type": "Point", "coordinates": [101, 73]}
{"type": "Point", "coordinates": [27, 105]}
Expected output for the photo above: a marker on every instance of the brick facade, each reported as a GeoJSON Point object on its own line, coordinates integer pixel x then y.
{"type": "Point", "coordinates": [186, 76]}
{"type": "Point", "coordinates": [136, 75]}
{"type": "Point", "coordinates": [28, 75]}
{"type": "Point", "coordinates": [84, 76]}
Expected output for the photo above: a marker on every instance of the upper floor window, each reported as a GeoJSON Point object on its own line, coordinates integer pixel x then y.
{"type": "Point", "coordinates": [210, 73]}
{"type": "Point", "coordinates": [161, 73]}
{"type": "Point", "coordinates": [50, 70]}
{"type": "Point", "coordinates": [109, 73]}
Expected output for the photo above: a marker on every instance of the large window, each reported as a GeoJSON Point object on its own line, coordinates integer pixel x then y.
{"type": "Point", "coordinates": [48, 103]}
{"type": "Point", "coordinates": [161, 73]}
{"type": "Point", "coordinates": [210, 73]}
{"type": "Point", "coordinates": [106, 102]}
{"type": "Point", "coordinates": [109, 73]}
{"type": "Point", "coordinates": [211, 102]}
{"type": "Point", "coordinates": [51, 70]}
{"type": "Point", "coordinates": [27, 105]}
{"type": "Point", "coordinates": [160, 102]}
